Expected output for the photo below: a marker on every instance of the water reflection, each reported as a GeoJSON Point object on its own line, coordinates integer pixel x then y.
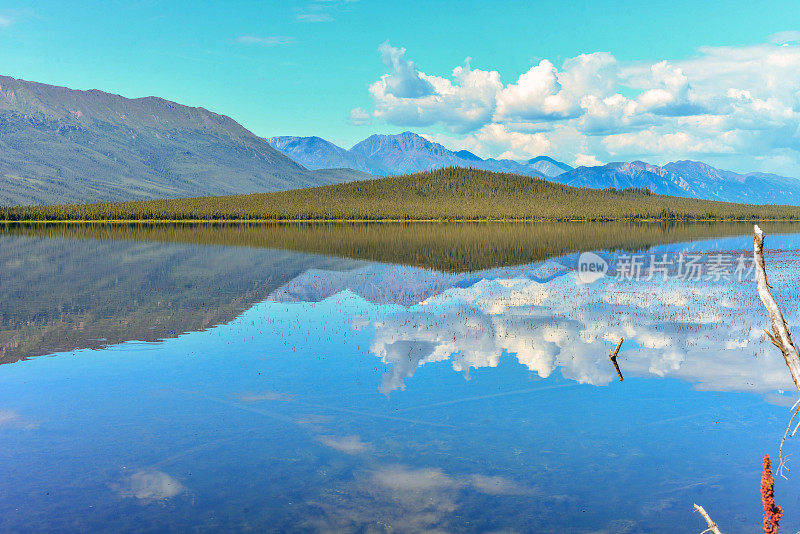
{"type": "Point", "coordinates": [60, 295]}
{"type": "Point", "coordinates": [707, 332]}
{"type": "Point", "coordinates": [324, 394]}
{"type": "Point", "coordinates": [450, 247]}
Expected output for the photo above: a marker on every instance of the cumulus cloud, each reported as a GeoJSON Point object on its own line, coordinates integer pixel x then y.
{"type": "Point", "coordinates": [585, 160]}
{"type": "Point", "coordinates": [671, 95]}
{"type": "Point", "coordinates": [408, 96]}
{"type": "Point", "coordinates": [545, 93]}
{"type": "Point", "coordinates": [728, 104]}
{"type": "Point", "coordinates": [404, 81]}
{"type": "Point", "coordinates": [516, 145]}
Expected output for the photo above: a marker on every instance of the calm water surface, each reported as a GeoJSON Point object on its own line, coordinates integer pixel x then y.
{"type": "Point", "coordinates": [171, 385]}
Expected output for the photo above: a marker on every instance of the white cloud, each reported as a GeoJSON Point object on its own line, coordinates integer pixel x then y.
{"type": "Point", "coordinates": [739, 105]}
{"type": "Point", "coordinates": [536, 95]}
{"type": "Point", "coordinates": [585, 160]}
{"type": "Point", "coordinates": [272, 40]}
{"type": "Point", "coordinates": [359, 116]}
{"type": "Point", "coordinates": [5, 21]}
{"type": "Point", "coordinates": [670, 94]}
{"type": "Point", "coordinates": [517, 145]}
{"type": "Point", "coordinates": [544, 93]}
{"type": "Point", "coordinates": [406, 96]}
{"type": "Point", "coordinates": [321, 10]}
{"type": "Point", "coordinates": [404, 81]}
{"type": "Point", "coordinates": [785, 37]}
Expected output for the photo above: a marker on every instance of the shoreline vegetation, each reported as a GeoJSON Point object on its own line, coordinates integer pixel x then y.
{"type": "Point", "coordinates": [442, 195]}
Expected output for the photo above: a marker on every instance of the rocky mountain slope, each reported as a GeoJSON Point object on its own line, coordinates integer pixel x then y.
{"type": "Point", "coordinates": [59, 145]}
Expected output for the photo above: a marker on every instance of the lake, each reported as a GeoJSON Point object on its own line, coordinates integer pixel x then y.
{"type": "Point", "coordinates": [381, 378]}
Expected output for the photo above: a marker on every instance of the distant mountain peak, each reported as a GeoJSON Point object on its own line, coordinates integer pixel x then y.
{"type": "Point", "coordinates": [548, 166]}
{"type": "Point", "coordinates": [407, 152]}
{"type": "Point", "coordinates": [466, 154]}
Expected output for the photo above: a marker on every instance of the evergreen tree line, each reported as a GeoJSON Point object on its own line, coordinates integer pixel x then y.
{"type": "Point", "coordinates": [444, 194]}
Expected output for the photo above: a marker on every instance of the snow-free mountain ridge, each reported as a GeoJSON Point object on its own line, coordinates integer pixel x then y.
{"type": "Point", "coordinates": [403, 153]}
{"type": "Point", "coordinates": [60, 145]}
{"type": "Point", "coordinates": [408, 152]}
{"type": "Point", "coordinates": [693, 179]}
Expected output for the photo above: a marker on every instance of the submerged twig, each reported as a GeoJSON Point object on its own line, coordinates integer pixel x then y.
{"type": "Point", "coordinates": [712, 527]}
{"type": "Point", "coordinates": [613, 358]}
{"type": "Point", "coordinates": [783, 459]}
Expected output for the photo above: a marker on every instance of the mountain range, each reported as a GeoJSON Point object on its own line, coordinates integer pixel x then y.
{"type": "Point", "coordinates": [403, 153]}
{"type": "Point", "coordinates": [59, 145]}
{"type": "Point", "coordinates": [408, 153]}
{"type": "Point", "coordinates": [687, 178]}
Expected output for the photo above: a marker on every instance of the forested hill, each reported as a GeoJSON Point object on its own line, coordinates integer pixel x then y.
{"type": "Point", "coordinates": [63, 145]}
{"type": "Point", "coordinates": [443, 194]}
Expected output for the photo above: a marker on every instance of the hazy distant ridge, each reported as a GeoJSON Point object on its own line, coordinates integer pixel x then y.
{"type": "Point", "coordinates": [408, 153]}
{"type": "Point", "coordinates": [692, 179]}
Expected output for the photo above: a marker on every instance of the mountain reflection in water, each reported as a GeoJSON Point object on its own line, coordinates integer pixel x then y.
{"type": "Point", "coordinates": [66, 287]}
{"type": "Point", "coordinates": [283, 390]}
{"type": "Point", "coordinates": [707, 333]}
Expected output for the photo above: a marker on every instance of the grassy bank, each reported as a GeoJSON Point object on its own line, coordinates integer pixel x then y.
{"type": "Point", "coordinates": [450, 194]}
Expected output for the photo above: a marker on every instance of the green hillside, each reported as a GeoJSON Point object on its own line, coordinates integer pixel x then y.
{"type": "Point", "coordinates": [62, 145]}
{"type": "Point", "coordinates": [443, 194]}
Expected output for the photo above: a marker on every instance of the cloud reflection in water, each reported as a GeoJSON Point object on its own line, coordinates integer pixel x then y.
{"type": "Point", "coordinates": [707, 333]}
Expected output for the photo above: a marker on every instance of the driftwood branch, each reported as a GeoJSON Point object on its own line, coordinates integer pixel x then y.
{"type": "Point", "coordinates": [780, 335]}
{"type": "Point", "coordinates": [613, 358]}
{"type": "Point", "coordinates": [712, 527]}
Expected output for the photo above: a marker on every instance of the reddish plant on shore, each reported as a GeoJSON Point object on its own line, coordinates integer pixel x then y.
{"type": "Point", "coordinates": [772, 513]}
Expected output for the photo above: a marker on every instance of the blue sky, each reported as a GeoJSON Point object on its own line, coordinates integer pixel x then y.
{"type": "Point", "coordinates": [314, 68]}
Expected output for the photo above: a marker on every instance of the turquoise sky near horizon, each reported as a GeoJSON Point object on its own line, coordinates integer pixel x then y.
{"type": "Point", "coordinates": [299, 68]}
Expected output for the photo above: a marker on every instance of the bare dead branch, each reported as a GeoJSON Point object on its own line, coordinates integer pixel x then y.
{"type": "Point", "coordinates": [712, 527]}
{"type": "Point", "coordinates": [613, 358]}
{"type": "Point", "coordinates": [780, 335]}
{"type": "Point", "coordinates": [782, 460]}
